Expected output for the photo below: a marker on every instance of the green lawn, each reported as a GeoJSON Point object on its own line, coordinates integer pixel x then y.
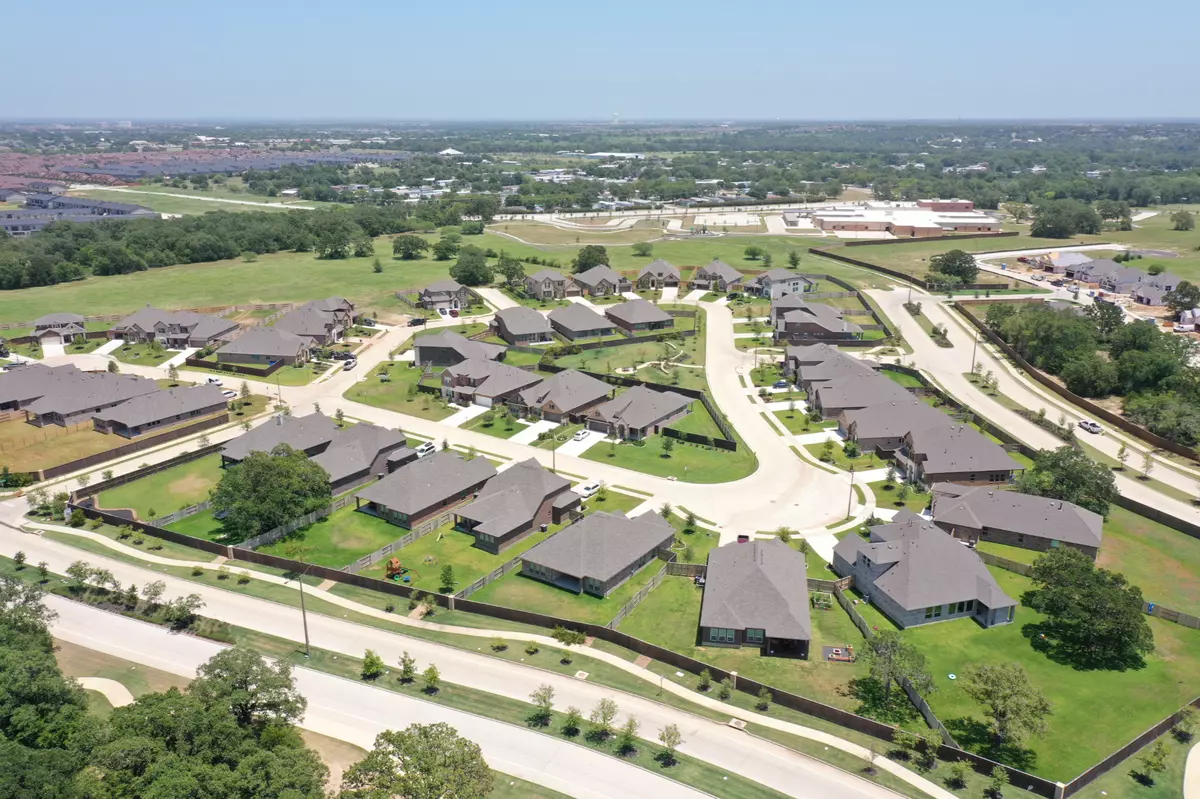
{"type": "Point", "coordinates": [699, 421]}
{"type": "Point", "coordinates": [143, 354]}
{"type": "Point", "coordinates": [908, 381]}
{"type": "Point", "coordinates": [177, 205]}
{"type": "Point", "coordinates": [841, 461]}
{"type": "Point", "coordinates": [689, 462]}
{"type": "Point", "coordinates": [399, 393]}
{"type": "Point", "coordinates": [1019, 554]}
{"type": "Point", "coordinates": [533, 302]}
{"type": "Point", "coordinates": [889, 499]}
{"type": "Point", "coordinates": [495, 426]}
{"type": "Point", "coordinates": [1094, 712]}
{"type": "Point", "coordinates": [797, 422]}
{"type": "Point", "coordinates": [198, 525]}
{"type": "Point", "coordinates": [1120, 783]}
{"type": "Point", "coordinates": [340, 538]}
{"type": "Point", "coordinates": [168, 490]}
{"type": "Point", "coordinates": [1165, 563]}
{"type": "Point", "coordinates": [670, 616]}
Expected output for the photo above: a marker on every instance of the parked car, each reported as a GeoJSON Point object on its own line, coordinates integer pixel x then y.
{"type": "Point", "coordinates": [1183, 327]}
{"type": "Point", "coordinates": [1039, 277]}
{"type": "Point", "coordinates": [426, 449]}
{"type": "Point", "coordinates": [417, 321]}
{"type": "Point", "coordinates": [1059, 283]}
{"type": "Point", "coordinates": [780, 384]}
{"type": "Point", "coordinates": [588, 489]}
{"type": "Point", "coordinates": [1089, 426]}
{"type": "Point", "coordinates": [229, 394]}
{"type": "Point", "coordinates": [454, 312]}
{"type": "Point", "coordinates": [367, 322]}
{"type": "Point", "coordinates": [214, 381]}
{"type": "Point", "coordinates": [1023, 259]}
{"type": "Point", "coordinates": [443, 312]}
{"type": "Point", "coordinates": [349, 364]}
{"type": "Point", "coordinates": [580, 435]}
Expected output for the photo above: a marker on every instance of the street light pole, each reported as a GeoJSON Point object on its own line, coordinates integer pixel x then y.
{"type": "Point", "coordinates": [974, 349]}
{"type": "Point", "coordinates": [850, 501]}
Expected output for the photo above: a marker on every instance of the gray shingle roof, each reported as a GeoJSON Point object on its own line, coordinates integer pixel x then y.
{"type": "Point", "coordinates": [823, 316]}
{"type": "Point", "coordinates": [959, 448]}
{"type": "Point", "coordinates": [894, 418]}
{"type": "Point", "coordinates": [601, 545]}
{"type": "Point", "coordinates": [717, 269]}
{"type": "Point", "coordinates": [306, 321]}
{"type": "Point", "coordinates": [775, 275]}
{"type": "Point", "coordinates": [758, 585]}
{"type": "Point", "coordinates": [597, 273]}
{"type": "Point", "coordinates": [640, 407]}
{"type": "Point", "coordinates": [491, 378]}
{"type": "Point", "coordinates": [71, 392]}
{"type": "Point", "coordinates": [464, 346]}
{"type": "Point", "coordinates": [267, 341]}
{"type": "Point", "coordinates": [542, 275]}
{"type": "Point", "coordinates": [928, 567]}
{"type": "Point", "coordinates": [441, 287]}
{"type": "Point", "coordinates": [428, 481]}
{"type": "Point", "coordinates": [303, 433]}
{"type": "Point", "coordinates": [858, 390]}
{"type": "Point", "coordinates": [510, 500]}
{"type": "Point", "coordinates": [577, 317]}
{"type": "Point", "coordinates": [659, 269]}
{"type": "Point", "coordinates": [637, 312]}
{"type": "Point", "coordinates": [981, 506]}
{"type": "Point", "coordinates": [354, 449]}
{"type": "Point", "coordinates": [159, 405]}
{"type": "Point", "coordinates": [52, 319]}
{"type": "Point", "coordinates": [198, 325]}
{"type": "Point", "coordinates": [567, 391]}
{"type": "Point", "coordinates": [522, 321]}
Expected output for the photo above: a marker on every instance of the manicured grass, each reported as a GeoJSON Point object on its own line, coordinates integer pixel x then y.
{"type": "Point", "coordinates": [395, 394]}
{"type": "Point", "coordinates": [767, 375]}
{"type": "Point", "coordinates": [168, 490]}
{"type": "Point", "coordinates": [908, 381]}
{"type": "Point", "coordinates": [1165, 563]}
{"type": "Point", "coordinates": [1094, 712]}
{"type": "Point", "coordinates": [1120, 782]}
{"type": "Point", "coordinates": [889, 498]}
{"type": "Point", "coordinates": [78, 661]}
{"type": "Point", "coordinates": [198, 525]}
{"type": "Point", "coordinates": [670, 616]}
{"type": "Point", "coordinates": [25, 447]}
{"type": "Point", "coordinates": [339, 539]}
{"type": "Point", "coordinates": [514, 590]}
{"type": "Point", "coordinates": [797, 422]}
{"type": "Point", "coordinates": [533, 302]}
{"type": "Point", "coordinates": [689, 462]}
{"type": "Point", "coordinates": [176, 205]}
{"type": "Point", "coordinates": [1018, 554]}
{"type": "Point", "coordinates": [842, 461]}
{"type": "Point", "coordinates": [698, 421]}
{"type": "Point", "coordinates": [610, 359]}
{"type": "Point", "coordinates": [497, 427]}
{"type": "Point", "coordinates": [142, 354]}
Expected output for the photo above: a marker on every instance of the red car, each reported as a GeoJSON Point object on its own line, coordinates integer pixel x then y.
{"type": "Point", "coordinates": [454, 312]}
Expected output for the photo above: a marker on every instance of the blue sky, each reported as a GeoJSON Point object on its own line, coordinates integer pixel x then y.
{"type": "Point", "coordinates": [531, 59]}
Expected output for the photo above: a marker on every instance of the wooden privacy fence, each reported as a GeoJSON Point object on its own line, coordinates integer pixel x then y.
{"type": "Point", "coordinates": [420, 531]}
{"type": "Point", "coordinates": [897, 274]}
{"type": "Point", "coordinates": [692, 570]}
{"type": "Point", "coordinates": [92, 489]}
{"type": "Point", "coordinates": [271, 536]}
{"type": "Point", "coordinates": [493, 575]}
{"type": "Point", "coordinates": [136, 445]}
{"type": "Point", "coordinates": [637, 598]}
{"type": "Point", "coordinates": [235, 368]}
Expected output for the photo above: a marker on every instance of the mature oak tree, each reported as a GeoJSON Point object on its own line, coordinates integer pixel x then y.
{"type": "Point", "coordinates": [424, 761]}
{"type": "Point", "coordinates": [408, 247]}
{"type": "Point", "coordinates": [590, 255]}
{"type": "Point", "coordinates": [1015, 707]}
{"type": "Point", "coordinates": [268, 489]}
{"type": "Point", "coordinates": [1068, 474]}
{"type": "Point", "coordinates": [956, 264]}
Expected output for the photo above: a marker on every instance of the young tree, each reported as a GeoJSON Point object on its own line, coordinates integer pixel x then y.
{"type": "Point", "coordinates": [423, 761]}
{"type": "Point", "coordinates": [1123, 455]}
{"type": "Point", "coordinates": [80, 573]}
{"type": "Point", "coordinates": [705, 681]}
{"type": "Point", "coordinates": [372, 665]}
{"type": "Point", "coordinates": [997, 781]}
{"type": "Point", "coordinates": [726, 689]}
{"type": "Point", "coordinates": [19, 559]}
{"type": "Point", "coordinates": [889, 658]}
{"type": "Point", "coordinates": [1015, 707]}
{"type": "Point", "coordinates": [1147, 464]}
{"type": "Point", "coordinates": [1154, 761]}
{"type": "Point", "coordinates": [250, 687]}
{"type": "Point", "coordinates": [377, 267]}
{"type": "Point", "coordinates": [173, 374]}
{"type": "Point", "coordinates": [543, 703]}
{"type": "Point", "coordinates": [794, 259]}
{"type": "Point", "coordinates": [43, 569]}
{"type": "Point", "coordinates": [765, 698]}
{"type": "Point", "coordinates": [152, 593]}
{"type": "Point", "coordinates": [753, 252]}
{"type": "Point", "coordinates": [447, 578]}
{"type": "Point", "coordinates": [432, 679]}
{"type": "Point", "coordinates": [956, 775]}
{"type": "Point", "coordinates": [181, 611]}
{"type": "Point", "coordinates": [602, 717]}
{"type": "Point", "coordinates": [340, 417]}
{"type": "Point", "coordinates": [572, 722]}
{"type": "Point", "coordinates": [627, 737]}
{"type": "Point", "coordinates": [668, 444]}
{"type": "Point", "coordinates": [408, 667]}
{"type": "Point", "coordinates": [643, 249]}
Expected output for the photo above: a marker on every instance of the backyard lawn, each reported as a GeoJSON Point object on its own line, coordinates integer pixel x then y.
{"type": "Point", "coordinates": [689, 462]}
{"type": "Point", "coordinates": [670, 615]}
{"type": "Point", "coordinates": [168, 490]}
{"type": "Point", "coordinates": [699, 421]}
{"type": "Point", "coordinates": [906, 380]}
{"type": "Point", "coordinates": [1165, 563]}
{"type": "Point", "coordinates": [339, 539]}
{"type": "Point", "coordinates": [1094, 712]}
{"type": "Point", "coordinates": [24, 447]}
{"type": "Point", "coordinates": [399, 393]}
{"type": "Point", "coordinates": [609, 359]}
{"type": "Point", "coordinates": [839, 458]}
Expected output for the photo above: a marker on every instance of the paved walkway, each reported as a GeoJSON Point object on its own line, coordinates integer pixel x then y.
{"type": "Point", "coordinates": [116, 693]}
{"type": "Point", "coordinates": [1191, 774]}
{"type": "Point", "coordinates": [823, 544]}
{"type": "Point", "coordinates": [465, 415]}
{"type": "Point", "coordinates": [582, 301]}
{"type": "Point", "coordinates": [629, 295]}
{"type": "Point", "coordinates": [178, 360]}
{"type": "Point", "coordinates": [111, 346]}
{"type": "Point", "coordinates": [529, 433]}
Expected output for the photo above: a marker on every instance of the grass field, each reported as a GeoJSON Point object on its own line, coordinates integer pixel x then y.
{"type": "Point", "coordinates": [24, 447]}
{"type": "Point", "coordinates": [399, 393]}
{"type": "Point", "coordinates": [1120, 783]}
{"type": "Point", "coordinates": [691, 463]}
{"type": "Point", "coordinates": [609, 359]}
{"type": "Point", "coordinates": [1094, 712]}
{"type": "Point", "coordinates": [865, 461]}
{"type": "Point", "coordinates": [670, 616]}
{"type": "Point", "coordinates": [539, 233]}
{"type": "Point", "coordinates": [143, 354]}
{"type": "Point", "coordinates": [698, 421]}
{"type": "Point", "coordinates": [167, 490]}
{"type": "Point", "coordinates": [1165, 563]}
{"type": "Point", "coordinates": [339, 539]}
{"type": "Point", "coordinates": [164, 204]}
{"type": "Point", "coordinates": [78, 661]}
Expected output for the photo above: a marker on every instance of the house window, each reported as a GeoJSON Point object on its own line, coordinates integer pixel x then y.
{"type": "Point", "coordinates": [721, 635]}
{"type": "Point", "coordinates": [755, 636]}
{"type": "Point", "coordinates": [1020, 539]}
{"type": "Point", "coordinates": [934, 612]}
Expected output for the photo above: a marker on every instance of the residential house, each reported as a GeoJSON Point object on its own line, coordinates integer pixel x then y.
{"type": "Point", "coordinates": [638, 412]}
{"type": "Point", "coordinates": [883, 426]}
{"type": "Point", "coordinates": [717, 276]}
{"type": "Point", "coordinates": [546, 284]}
{"type": "Point", "coordinates": [813, 320]}
{"type": "Point", "coordinates": [852, 390]}
{"type": "Point", "coordinates": [600, 281]}
{"type": "Point", "coordinates": [756, 594]}
{"type": "Point", "coordinates": [775, 283]}
{"type": "Point", "coordinates": [448, 348]}
{"type": "Point", "coordinates": [981, 513]}
{"type": "Point", "coordinates": [1167, 281]}
{"type": "Point", "coordinates": [59, 328]}
{"type": "Point", "coordinates": [150, 412]}
{"type": "Point", "coordinates": [954, 453]}
{"type": "Point", "coordinates": [515, 503]}
{"type": "Point", "coordinates": [82, 205]}
{"type": "Point", "coordinates": [426, 488]}
{"type": "Point", "coordinates": [809, 359]}
{"type": "Point", "coordinates": [1093, 271]}
{"type": "Point", "coordinates": [263, 346]}
{"type": "Point", "coordinates": [521, 325]}
{"type": "Point", "coordinates": [639, 316]}
{"type": "Point", "coordinates": [658, 275]}
{"type": "Point", "coordinates": [64, 395]}
{"type": "Point", "coordinates": [577, 321]}
{"type": "Point", "coordinates": [1122, 280]}
{"type": "Point", "coordinates": [1059, 263]}
{"type": "Point", "coordinates": [484, 382]}
{"type": "Point", "coordinates": [444, 295]}
{"type": "Point", "coordinates": [568, 395]}
{"type": "Point", "coordinates": [176, 330]}
{"type": "Point", "coordinates": [598, 553]}
{"type": "Point", "coordinates": [1146, 294]}
{"type": "Point", "coordinates": [323, 321]}
{"type": "Point", "coordinates": [915, 574]}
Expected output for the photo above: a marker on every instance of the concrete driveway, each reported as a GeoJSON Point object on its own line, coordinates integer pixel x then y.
{"type": "Point", "coordinates": [115, 344]}
{"type": "Point", "coordinates": [670, 294]}
{"type": "Point", "coordinates": [574, 447]}
{"type": "Point", "coordinates": [496, 298]}
{"type": "Point", "coordinates": [465, 415]}
{"type": "Point", "coordinates": [694, 295]}
{"type": "Point", "coordinates": [582, 301]}
{"type": "Point", "coordinates": [529, 433]}
{"type": "Point", "coordinates": [53, 350]}
{"type": "Point", "coordinates": [178, 360]}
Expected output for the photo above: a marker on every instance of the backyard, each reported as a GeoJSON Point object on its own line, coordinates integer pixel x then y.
{"type": "Point", "coordinates": [168, 490]}
{"type": "Point", "coordinates": [339, 539]}
{"type": "Point", "coordinates": [24, 447]}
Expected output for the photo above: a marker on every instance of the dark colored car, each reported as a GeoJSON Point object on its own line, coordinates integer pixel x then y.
{"type": "Point", "coordinates": [417, 321]}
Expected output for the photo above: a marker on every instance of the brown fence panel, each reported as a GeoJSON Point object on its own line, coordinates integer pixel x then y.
{"type": "Point", "coordinates": [118, 520]}
{"type": "Point", "coordinates": [235, 368]}
{"type": "Point", "coordinates": [1160, 516]}
{"type": "Point", "coordinates": [134, 446]}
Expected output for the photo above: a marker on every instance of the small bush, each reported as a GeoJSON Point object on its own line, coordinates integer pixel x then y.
{"type": "Point", "coordinates": [532, 649]}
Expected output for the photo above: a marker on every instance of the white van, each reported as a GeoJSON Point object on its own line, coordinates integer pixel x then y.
{"type": "Point", "coordinates": [426, 449]}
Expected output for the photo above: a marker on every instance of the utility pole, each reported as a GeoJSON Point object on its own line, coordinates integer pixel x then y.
{"type": "Point", "coordinates": [975, 349]}
{"type": "Point", "coordinates": [303, 613]}
{"type": "Point", "coordinates": [850, 501]}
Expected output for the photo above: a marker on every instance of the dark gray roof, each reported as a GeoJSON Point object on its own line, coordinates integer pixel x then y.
{"type": "Point", "coordinates": [304, 433]}
{"type": "Point", "coordinates": [428, 481]}
{"type": "Point", "coordinates": [354, 449]}
{"type": "Point", "coordinates": [464, 346]}
{"type": "Point", "coordinates": [267, 341]}
{"type": "Point", "coordinates": [441, 287]}
{"type": "Point", "coordinates": [776, 275]}
{"type": "Point", "coordinates": [567, 391]}
{"type": "Point", "coordinates": [894, 418]}
{"type": "Point", "coordinates": [159, 405]}
{"type": "Point", "coordinates": [717, 269]}
{"type": "Point", "coordinates": [823, 316]}
{"type": "Point", "coordinates": [636, 312]}
{"type": "Point", "coordinates": [510, 500]}
{"type": "Point", "coordinates": [597, 273]}
{"type": "Point", "coordinates": [982, 507]}
{"type": "Point", "coordinates": [639, 407]}
{"type": "Point", "coordinates": [522, 321]}
{"type": "Point", "coordinates": [858, 390]}
{"type": "Point", "coordinates": [924, 566]}
{"type": "Point", "coordinates": [1151, 295]}
{"type": "Point", "coordinates": [758, 585]}
{"type": "Point", "coordinates": [660, 269]}
{"type": "Point", "coordinates": [542, 275]}
{"type": "Point", "coordinates": [198, 325]}
{"type": "Point", "coordinates": [69, 393]}
{"type": "Point", "coordinates": [601, 545]}
{"type": "Point", "coordinates": [491, 378]}
{"type": "Point", "coordinates": [959, 448]}
{"type": "Point", "coordinates": [578, 317]}
{"type": "Point", "coordinates": [51, 319]}
{"type": "Point", "coordinates": [306, 321]}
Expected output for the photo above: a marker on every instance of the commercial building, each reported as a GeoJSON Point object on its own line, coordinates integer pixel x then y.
{"type": "Point", "coordinates": [904, 220]}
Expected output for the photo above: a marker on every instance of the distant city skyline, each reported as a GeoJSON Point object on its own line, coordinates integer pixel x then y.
{"type": "Point", "coordinates": [373, 60]}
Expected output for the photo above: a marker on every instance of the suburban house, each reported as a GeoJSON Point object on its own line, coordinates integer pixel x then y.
{"type": "Point", "coordinates": [176, 330]}
{"type": "Point", "coordinates": [852, 391]}
{"type": "Point", "coordinates": [1059, 262]}
{"type": "Point", "coordinates": [64, 395]}
{"type": "Point", "coordinates": [639, 316]}
{"type": "Point", "coordinates": [578, 321]}
{"type": "Point", "coordinates": [1123, 279]}
{"type": "Point", "coordinates": [812, 320]}
{"type": "Point", "coordinates": [954, 453]}
{"type": "Point", "coordinates": [521, 325]}
{"type": "Point", "coordinates": [350, 456]}
{"type": "Point", "coordinates": [515, 503]}
{"type": "Point", "coordinates": [883, 426]}
{"type": "Point", "coordinates": [981, 513]}
{"type": "Point", "coordinates": [915, 573]}
{"type": "Point", "coordinates": [567, 395]}
{"type": "Point", "coordinates": [717, 276]}
{"type": "Point", "coordinates": [59, 328]}
{"type": "Point", "coordinates": [1146, 294]}
{"type": "Point", "coordinates": [425, 488]}
{"type": "Point", "coordinates": [82, 205]}
{"type": "Point", "coordinates": [444, 295]}
{"type": "Point", "coordinates": [149, 412]}
{"type": "Point", "coordinates": [600, 281]}
{"type": "Point", "coordinates": [484, 382]}
{"type": "Point", "coordinates": [599, 552]}
{"type": "Point", "coordinates": [638, 412]}
{"type": "Point", "coordinates": [812, 374]}
{"type": "Point", "coordinates": [658, 275]}
{"type": "Point", "coordinates": [546, 284]}
{"type": "Point", "coordinates": [756, 594]}
{"type": "Point", "coordinates": [801, 357]}
{"type": "Point", "coordinates": [263, 346]}
{"type": "Point", "coordinates": [775, 283]}
{"type": "Point", "coordinates": [448, 348]}
{"type": "Point", "coordinates": [1093, 271]}
{"type": "Point", "coordinates": [323, 321]}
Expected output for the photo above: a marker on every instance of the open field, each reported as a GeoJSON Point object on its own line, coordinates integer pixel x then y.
{"type": "Point", "coordinates": [1094, 712]}
{"type": "Point", "coordinates": [167, 490]}
{"type": "Point", "coordinates": [164, 204]}
{"type": "Point", "coordinates": [540, 233]}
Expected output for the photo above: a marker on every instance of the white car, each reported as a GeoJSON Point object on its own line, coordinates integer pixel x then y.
{"type": "Point", "coordinates": [229, 394]}
{"type": "Point", "coordinates": [426, 449]}
{"type": "Point", "coordinates": [580, 435]}
{"type": "Point", "coordinates": [588, 489]}
{"type": "Point", "coordinates": [1089, 425]}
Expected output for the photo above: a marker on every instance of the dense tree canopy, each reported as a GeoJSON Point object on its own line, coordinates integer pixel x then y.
{"type": "Point", "coordinates": [1060, 219]}
{"type": "Point", "coordinates": [424, 761]}
{"type": "Point", "coordinates": [471, 268]}
{"type": "Point", "coordinates": [590, 255]}
{"type": "Point", "coordinates": [268, 489]}
{"type": "Point", "coordinates": [1069, 474]}
{"type": "Point", "coordinates": [958, 265]}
